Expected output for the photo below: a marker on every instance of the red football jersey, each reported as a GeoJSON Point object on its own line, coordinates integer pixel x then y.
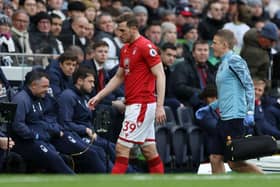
{"type": "Point", "coordinates": [137, 59]}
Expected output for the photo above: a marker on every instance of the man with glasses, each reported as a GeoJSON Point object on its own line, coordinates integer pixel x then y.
{"type": "Point", "coordinates": [42, 40]}
{"type": "Point", "coordinates": [213, 21]}
{"type": "Point", "coordinates": [20, 24]}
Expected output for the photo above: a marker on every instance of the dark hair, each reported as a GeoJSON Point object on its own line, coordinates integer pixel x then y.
{"type": "Point", "coordinates": [199, 41]}
{"type": "Point", "coordinates": [153, 23]}
{"type": "Point", "coordinates": [54, 15]}
{"type": "Point", "coordinates": [34, 75]}
{"type": "Point", "coordinates": [68, 55]}
{"type": "Point", "coordinates": [168, 45]}
{"type": "Point", "coordinates": [41, 15]}
{"type": "Point", "coordinates": [130, 20]}
{"type": "Point", "coordinates": [99, 44]}
{"type": "Point", "coordinates": [76, 6]}
{"type": "Point", "coordinates": [82, 73]}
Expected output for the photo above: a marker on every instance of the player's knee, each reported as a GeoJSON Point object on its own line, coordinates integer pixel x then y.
{"type": "Point", "coordinates": [149, 151]}
{"type": "Point", "coordinates": [122, 151]}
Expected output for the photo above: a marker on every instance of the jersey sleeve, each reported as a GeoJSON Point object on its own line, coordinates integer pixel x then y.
{"type": "Point", "coordinates": [150, 54]}
{"type": "Point", "coordinates": [121, 63]}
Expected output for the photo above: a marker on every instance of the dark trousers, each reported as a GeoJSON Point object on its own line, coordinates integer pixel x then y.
{"type": "Point", "coordinates": [90, 161]}
{"type": "Point", "coordinates": [42, 155]}
{"type": "Point", "coordinates": [108, 152]}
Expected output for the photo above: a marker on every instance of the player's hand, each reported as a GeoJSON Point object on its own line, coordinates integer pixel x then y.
{"type": "Point", "coordinates": [94, 136]}
{"type": "Point", "coordinates": [93, 102]}
{"type": "Point", "coordinates": [160, 115]}
{"type": "Point", "coordinates": [249, 119]}
{"type": "Point", "coordinates": [4, 143]}
{"type": "Point", "coordinates": [89, 132]}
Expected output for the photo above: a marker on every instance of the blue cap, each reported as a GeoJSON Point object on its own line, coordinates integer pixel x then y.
{"type": "Point", "coordinates": [270, 31]}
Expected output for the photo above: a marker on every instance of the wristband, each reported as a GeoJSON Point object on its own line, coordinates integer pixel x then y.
{"type": "Point", "coordinates": [250, 113]}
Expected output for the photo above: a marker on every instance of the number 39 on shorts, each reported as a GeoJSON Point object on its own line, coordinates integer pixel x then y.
{"type": "Point", "coordinates": [130, 127]}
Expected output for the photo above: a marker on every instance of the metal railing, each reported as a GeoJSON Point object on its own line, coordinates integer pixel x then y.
{"type": "Point", "coordinates": [21, 63]}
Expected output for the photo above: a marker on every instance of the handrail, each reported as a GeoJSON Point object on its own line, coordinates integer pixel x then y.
{"type": "Point", "coordinates": [29, 55]}
{"type": "Point", "coordinates": [40, 55]}
{"type": "Point", "coordinates": [17, 71]}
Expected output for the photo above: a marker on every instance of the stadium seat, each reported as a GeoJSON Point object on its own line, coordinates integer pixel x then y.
{"type": "Point", "coordinates": [195, 142]}
{"type": "Point", "coordinates": [179, 146]}
{"type": "Point", "coordinates": [162, 134]}
{"type": "Point", "coordinates": [185, 116]}
{"type": "Point", "coordinates": [170, 119]}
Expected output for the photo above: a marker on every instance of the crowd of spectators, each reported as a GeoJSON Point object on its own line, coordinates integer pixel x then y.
{"type": "Point", "coordinates": [84, 33]}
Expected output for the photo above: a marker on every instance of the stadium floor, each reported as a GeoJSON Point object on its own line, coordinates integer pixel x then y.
{"type": "Point", "coordinates": [168, 180]}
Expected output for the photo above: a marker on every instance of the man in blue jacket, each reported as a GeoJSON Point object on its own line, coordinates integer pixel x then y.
{"type": "Point", "coordinates": [30, 132]}
{"type": "Point", "coordinates": [235, 99]}
{"type": "Point", "coordinates": [39, 137]}
{"type": "Point", "coordinates": [265, 114]}
{"type": "Point", "coordinates": [61, 76]}
{"type": "Point", "coordinates": [75, 115]}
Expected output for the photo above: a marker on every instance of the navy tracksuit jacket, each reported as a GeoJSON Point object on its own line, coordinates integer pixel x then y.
{"type": "Point", "coordinates": [76, 116]}
{"type": "Point", "coordinates": [93, 160]}
{"type": "Point", "coordinates": [38, 138]}
{"type": "Point", "coordinates": [31, 135]}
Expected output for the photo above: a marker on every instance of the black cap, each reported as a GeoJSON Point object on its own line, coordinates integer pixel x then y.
{"type": "Point", "coordinates": [41, 15]}
{"type": "Point", "coordinates": [244, 2]}
{"type": "Point", "coordinates": [76, 6]}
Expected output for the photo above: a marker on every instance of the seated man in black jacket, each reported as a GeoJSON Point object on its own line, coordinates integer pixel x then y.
{"type": "Point", "coordinates": [190, 77]}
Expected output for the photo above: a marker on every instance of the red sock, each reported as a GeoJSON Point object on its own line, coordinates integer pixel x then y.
{"type": "Point", "coordinates": [121, 164]}
{"type": "Point", "coordinates": [155, 165]}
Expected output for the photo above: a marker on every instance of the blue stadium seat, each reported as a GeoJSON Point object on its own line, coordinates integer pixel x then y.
{"type": "Point", "coordinates": [163, 142]}
{"type": "Point", "coordinates": [170, 119]}
{"type": "Point", "coordinates": [195, 140]}
{"type": "Point", "coordinates": [185, 116]}
{"type": "Point", "coordinates": [179, 146]}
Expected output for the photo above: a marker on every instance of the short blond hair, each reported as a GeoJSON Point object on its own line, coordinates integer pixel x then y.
{"type": "Point", "coordinates": [227, 36]}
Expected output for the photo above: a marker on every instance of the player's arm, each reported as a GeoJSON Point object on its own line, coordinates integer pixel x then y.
{"type": "Point", "coordinates": [114, 83]}
{"type": "Point", "coordinates": [158, 72]}
{"type": "Point", "coordinates": [239, 67]}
